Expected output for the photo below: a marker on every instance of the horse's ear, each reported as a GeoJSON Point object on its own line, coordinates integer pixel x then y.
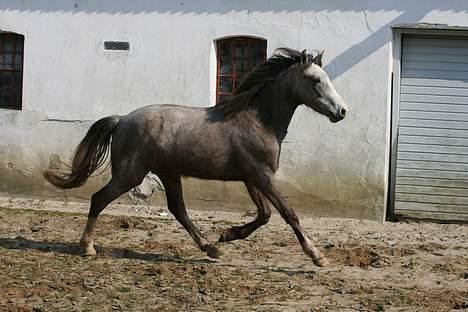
{"type": "Point", "coordinates": [318, 59]}
{"type": "Point", "coordinates": [304, 56]}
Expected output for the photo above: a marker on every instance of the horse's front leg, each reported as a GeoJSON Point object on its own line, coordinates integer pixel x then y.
{"type": "Point", "coordinates": [274, 196]}
{"type": "Point", "coordinates": [264, 213]}
{"type": "Point", "coordinates": [176, 206]}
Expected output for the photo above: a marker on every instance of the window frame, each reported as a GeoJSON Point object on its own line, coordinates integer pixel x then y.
{"type": "Point", "coordinates": [15, 67]}
{"type": "Point", "coordinates": [233, 75]}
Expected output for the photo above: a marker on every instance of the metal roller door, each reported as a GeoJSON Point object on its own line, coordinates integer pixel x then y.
{"type": "Point", "coordinates": [431, 179]}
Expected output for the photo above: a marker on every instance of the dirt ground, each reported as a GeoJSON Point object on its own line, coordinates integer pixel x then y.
{"type": "Point", "coordinates": [148, 262]}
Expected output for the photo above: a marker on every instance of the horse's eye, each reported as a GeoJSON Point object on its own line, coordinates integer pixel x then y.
{"type": "Point", "coordinates": [315, 80]}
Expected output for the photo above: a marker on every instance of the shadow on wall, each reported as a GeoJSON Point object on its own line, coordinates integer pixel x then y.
{"type": "Point", "coordinates": [222, 6]}
{"type": "Point", "coordinates": [408, 12]}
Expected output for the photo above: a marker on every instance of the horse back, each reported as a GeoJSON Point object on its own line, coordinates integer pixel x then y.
{"type": "Point", "coordinates": [183, 140]}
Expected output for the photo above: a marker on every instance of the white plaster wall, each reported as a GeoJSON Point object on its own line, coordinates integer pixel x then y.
{"type": "Point", "coordinates": [330, 169]}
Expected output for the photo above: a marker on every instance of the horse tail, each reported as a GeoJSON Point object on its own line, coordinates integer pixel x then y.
{"type": "Point", "coordinates": [90, 155]}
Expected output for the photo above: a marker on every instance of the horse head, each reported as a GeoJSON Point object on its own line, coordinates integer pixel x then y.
{"type": "Point", "coordinates": [314, 88]}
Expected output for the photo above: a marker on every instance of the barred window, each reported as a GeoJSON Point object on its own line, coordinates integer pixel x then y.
{"type": "Point", "coordinates": [236, 57]}
{"type": "Point", "coordinates": [11, 70]}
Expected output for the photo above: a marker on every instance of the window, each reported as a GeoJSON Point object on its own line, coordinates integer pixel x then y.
{"type": "Point", "coordinates": [236, 57]}
{"type": "Point", "coordinates": [11, 70]}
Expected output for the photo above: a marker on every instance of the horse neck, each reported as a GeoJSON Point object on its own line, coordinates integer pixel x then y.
{"type": "Point", "coordinates": [275, 107]}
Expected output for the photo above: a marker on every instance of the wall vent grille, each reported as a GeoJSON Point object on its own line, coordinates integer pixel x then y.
{"type": "Point", "coordinates": [117, 45]}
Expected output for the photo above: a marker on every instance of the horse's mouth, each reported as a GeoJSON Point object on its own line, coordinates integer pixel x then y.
{"type": "Point", "coordinates": [334, 119]}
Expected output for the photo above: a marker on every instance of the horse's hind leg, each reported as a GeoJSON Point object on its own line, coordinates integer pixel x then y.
{"type": "Point", "coordinates": [99, 201]}
{"type": "Point", "coordinates": [264, 213]}
{"type": "Point", "coordinates": [175, 203]}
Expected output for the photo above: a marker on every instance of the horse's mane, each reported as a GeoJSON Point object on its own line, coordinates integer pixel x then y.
{"type": "Point", "coordinates": [281, 60]}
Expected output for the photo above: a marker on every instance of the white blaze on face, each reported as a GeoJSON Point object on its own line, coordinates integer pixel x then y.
{"type": "Point", "coordinates": [328, 92]}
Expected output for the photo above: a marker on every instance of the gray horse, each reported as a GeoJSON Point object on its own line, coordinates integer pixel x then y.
{"type": "Point", "coordinates": [237, 140]}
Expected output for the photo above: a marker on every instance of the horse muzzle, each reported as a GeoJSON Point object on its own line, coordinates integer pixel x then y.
{"type": "Point", "coordinates": [340, 115]}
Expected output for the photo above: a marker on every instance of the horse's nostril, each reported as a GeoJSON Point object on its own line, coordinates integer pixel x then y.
{"type": "Point", "coordinates": [343, 112]}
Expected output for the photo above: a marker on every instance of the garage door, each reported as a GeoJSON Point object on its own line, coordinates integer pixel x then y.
{"type": "Point", "coordinates": [432, 159]}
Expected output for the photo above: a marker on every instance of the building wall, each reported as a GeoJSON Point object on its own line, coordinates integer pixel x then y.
{"type": "Point", "coordinates": [69, 81]}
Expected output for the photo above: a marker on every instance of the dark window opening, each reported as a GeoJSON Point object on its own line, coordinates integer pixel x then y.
{"type": "Point", "coordinates": [11, 70]}
{"type": "Point", "coordinates": [236, 57]}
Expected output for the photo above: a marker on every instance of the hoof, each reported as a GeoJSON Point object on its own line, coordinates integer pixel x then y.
{"type": "Point", "coordinates": [321, 262]}
{"type": "Point", "coordinates": [88, 251]}
{"type": "Point", "coordinates": [224, 237]}
{"type": "Point", "coordinates": [212, 251]}
{"type": "Point", "coordinates": [230, 235]}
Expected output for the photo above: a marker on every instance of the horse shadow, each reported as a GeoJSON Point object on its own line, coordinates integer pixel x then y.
{"type": "Point", "coordinates": [68, 248]}
{"type": "Point", "coordinates": [73, 249]}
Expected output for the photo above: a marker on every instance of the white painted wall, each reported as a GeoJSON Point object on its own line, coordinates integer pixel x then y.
{"type": "Point", "coordinates": [337, 170]}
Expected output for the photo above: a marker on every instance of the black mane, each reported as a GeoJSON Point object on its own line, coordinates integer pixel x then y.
{"type": "Point", "coordinates": [281, 60]}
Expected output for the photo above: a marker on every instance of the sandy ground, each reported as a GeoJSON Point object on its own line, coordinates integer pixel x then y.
{"type": "Point", "coordinates": [147, 262]}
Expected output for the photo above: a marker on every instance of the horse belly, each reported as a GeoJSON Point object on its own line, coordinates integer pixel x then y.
{"type": "Point", "coordinates": [186, 143]}
{"type": "Point", "coordinates": [208, 164]}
